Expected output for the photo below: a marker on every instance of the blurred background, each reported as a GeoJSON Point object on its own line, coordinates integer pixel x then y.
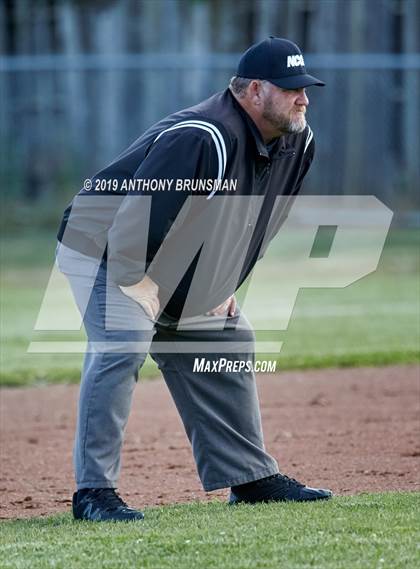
{"type": "Point", "coordinates": [80, 80]}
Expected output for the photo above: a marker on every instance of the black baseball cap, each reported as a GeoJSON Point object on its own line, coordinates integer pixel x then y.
{"type": "Point", "coordinates": [278, 61]}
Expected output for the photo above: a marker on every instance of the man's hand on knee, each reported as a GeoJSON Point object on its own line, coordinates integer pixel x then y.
{"type": "Point", "coordinates": [144, 293]}
{"type": "Point", "coordinates": [228, 306]}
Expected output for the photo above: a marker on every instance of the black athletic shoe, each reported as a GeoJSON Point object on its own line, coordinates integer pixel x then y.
{"type": "Point", "coordinates": [102, 505]}
{"type": "Point", "coordinates": [276, 488]}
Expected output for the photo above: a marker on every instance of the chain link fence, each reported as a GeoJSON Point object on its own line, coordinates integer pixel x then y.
{"type": "Point", "coordinates": [65, 118]}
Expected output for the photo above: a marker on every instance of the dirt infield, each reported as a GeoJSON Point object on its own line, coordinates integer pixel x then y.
{"type": "Point", "coordinates": [353, 430]}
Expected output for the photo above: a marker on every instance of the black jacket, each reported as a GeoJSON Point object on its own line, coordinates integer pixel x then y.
{"type": "Point", "coordinates": [214, 140]}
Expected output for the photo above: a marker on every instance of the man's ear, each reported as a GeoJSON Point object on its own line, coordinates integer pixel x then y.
{"type": "Point", "coordinates": [255, 88]}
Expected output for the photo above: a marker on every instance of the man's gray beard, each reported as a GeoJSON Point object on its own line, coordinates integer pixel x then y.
{"type": "Point", "coordinates": [282, 122]}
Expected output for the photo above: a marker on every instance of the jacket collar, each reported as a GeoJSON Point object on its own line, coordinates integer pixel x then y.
{"type": "Point", "coordinates": [277, 148]}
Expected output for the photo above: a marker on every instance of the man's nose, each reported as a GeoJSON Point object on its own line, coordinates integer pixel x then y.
{"type": "Point", "coordinates": [302, 98]}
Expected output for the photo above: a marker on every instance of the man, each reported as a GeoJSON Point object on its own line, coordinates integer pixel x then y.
{"type": "Point", "coordinates": [132, 262]}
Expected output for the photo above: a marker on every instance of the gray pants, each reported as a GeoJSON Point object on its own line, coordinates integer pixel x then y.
{"type": "Point", "coordinates": [219, 410]}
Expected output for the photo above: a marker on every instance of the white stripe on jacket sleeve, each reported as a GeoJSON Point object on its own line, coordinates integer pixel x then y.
{"type": "Point", "coordinates": [217, 139]}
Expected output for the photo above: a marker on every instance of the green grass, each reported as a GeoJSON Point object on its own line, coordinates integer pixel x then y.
{"type": "Point", "coordinates": [365, 531]}
{"type": "Point", "coordinates": [374, 321]}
